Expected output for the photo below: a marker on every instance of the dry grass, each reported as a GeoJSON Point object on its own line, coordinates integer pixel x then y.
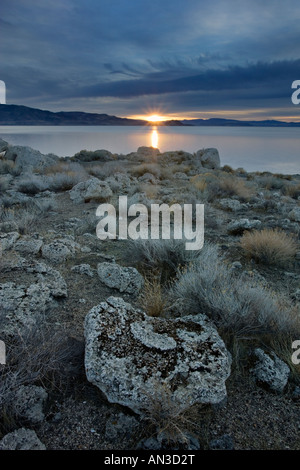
{"type": "Point", "coordinates": [292, 190]}
{"type": "Point", "coordinates": [232, 186]}
{"type": "Point", "coordinates": [153, 299]}
{"type": "Point", "coordinates": [269, 246]}
{"type": "Point", "coordinates": [223, 185]}
{"type": "Point", "coordinates": [140, 170]}
{"type": "Point", "coordinates": [170, 421]}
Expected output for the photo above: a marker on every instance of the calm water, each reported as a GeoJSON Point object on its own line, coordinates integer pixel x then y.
{"type": "Point", "coordinates": [255, 149]}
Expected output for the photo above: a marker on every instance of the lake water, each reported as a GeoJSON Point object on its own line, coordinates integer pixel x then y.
{"type": "Point", "coordinates": [253, 148]}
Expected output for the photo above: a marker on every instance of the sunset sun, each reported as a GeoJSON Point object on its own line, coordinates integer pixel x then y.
{"type": "Point", "coordinates": [155, 118]}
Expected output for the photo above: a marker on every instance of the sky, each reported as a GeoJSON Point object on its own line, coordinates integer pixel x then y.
{"type": "Point", "coordinates": [133, 58]}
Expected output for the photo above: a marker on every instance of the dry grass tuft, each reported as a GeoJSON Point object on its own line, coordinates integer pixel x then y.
{"type": "Point", "coordinates": [269, 246]}
{"type": "Point", "coordinates": [153, 300]}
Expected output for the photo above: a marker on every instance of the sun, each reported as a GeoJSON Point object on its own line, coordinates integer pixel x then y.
{"type": "Point", "coordinates": [155, 118]}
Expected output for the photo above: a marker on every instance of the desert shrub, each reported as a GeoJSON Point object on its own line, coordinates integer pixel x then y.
{"type": "Point", "coordinates": [3, 185]}
{"type": "Point", "coordinates": [32, 185]}
{"type": "Point", "coordinates": [269, 246]}
{"type": "Point", "coordinates": [165, 256]}
{"type": "Point", "coordinates": [106, 168]}
{"type": "Point", "coordinates": [37, 356]}
{"type": "Point", "coordinates": [140, 170]}
{"type": "Point", "coordinates": [62, 176]}
{"type": "Point", "coordinates": [228, 169]}
{"type": "Point", "coordinates": [271, 182]}
{"type": "Point", "coordinates": [229, 186]}
{"type": "Point", "coordinates": [89, 156]}
{"type": "Point", "coordinates": [171, 422]}
{"type": "Point", "coordinates": [27, 215]}
{"type": "Point", "coordinates": [212, 186]}
{"type": "Point", "coordinates": [65, 181]}
{"type": "Point", "coordinates": [292, 190]}
{"type": "Point", "coordinates": [239, 307]}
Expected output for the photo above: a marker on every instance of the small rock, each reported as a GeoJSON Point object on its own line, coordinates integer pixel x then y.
{"type": "Point", "coordinates": [91, 190]}
{"type": "Point", "coordinates": [83, 269]}
{"type": "Point", "coordinates": [29, 403]}
{"type": "Point", "coordinates": [270, 371]}
{"type": "Point", "coordinates": [224, 442]}
{"type": "Point", "coordinates": [237, 227]}
{"type": "Point", "coordinates": [21, 439]}
{"type": "Point", "coordinates": [126, 279]}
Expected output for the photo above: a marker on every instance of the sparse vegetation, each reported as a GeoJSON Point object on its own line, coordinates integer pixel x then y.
{"type": "Point", "coordinates": [269, 246]}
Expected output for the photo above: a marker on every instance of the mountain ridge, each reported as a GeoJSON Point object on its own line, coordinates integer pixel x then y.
{"type": "Point", "coordinates": [12, 114]}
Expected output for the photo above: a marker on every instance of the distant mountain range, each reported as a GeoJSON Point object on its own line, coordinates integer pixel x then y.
{"type": "Point", "coordinates": [234, 122]}
{"type": "Point", "coordinates": [16, 115]}
{"type": "Point", "coordinates": [11, 114]}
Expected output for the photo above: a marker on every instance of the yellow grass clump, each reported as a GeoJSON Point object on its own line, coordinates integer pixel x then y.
{"type": "Point", "coordinates": [269, 246]}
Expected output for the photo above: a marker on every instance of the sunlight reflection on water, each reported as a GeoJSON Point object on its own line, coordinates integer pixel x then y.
{"type": "Point", "coordinates": [253, 148]}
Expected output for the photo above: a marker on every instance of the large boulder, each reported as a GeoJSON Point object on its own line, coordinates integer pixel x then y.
{"type": "Point", "coordinates": [91, 190]}
{"type": "Point", "coordinates": [209, 158]}
{"type": "Point", "coordinates": [133, 358]}
{"type": "Point", "coordinates": [28, 159]}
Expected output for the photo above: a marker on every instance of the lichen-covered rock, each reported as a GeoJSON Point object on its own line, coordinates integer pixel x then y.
{"type": "Point", "coordinates": [270, 371]}
{"type": "Point", "coordinates": [21, 439]}
{"type": "Point", "coordinates": [29, 403]}
{"type": "Point", "coordinates": [23, 305]}
{"type": "Point", "coordinates": [209, 158]}
{"type": "Point", "coordinates": [28, 159]}
{"type": "Point", "coordinates": [124, 279]}
{"type": "Point", "coordinates": [130, 356]}
{"type": "Point", "coordinates": [28, 245]}
{"type": "Point", "coordinates": [237, 227]}
{"type": "Point", "coordinates": [7, 240]}
{"type": "Point", "coordinates": [83, 269]}
{"type": "Point", "coordinates": [294, 214]}
{"type": "Point", "coordinates": [232, 205]}
{"type": "Point", "coordinates": [121, 183]}
{"type": "Point", "coordinates": [90, 190]}
{"type": "Point", "coordinates": [56, 251]}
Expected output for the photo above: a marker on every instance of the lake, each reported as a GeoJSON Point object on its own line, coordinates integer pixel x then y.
{"type": "Point", "coordinates": [272, 149]}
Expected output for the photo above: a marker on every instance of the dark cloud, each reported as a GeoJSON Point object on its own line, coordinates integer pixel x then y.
{"type": "Point", "coordinates": [122, 55]}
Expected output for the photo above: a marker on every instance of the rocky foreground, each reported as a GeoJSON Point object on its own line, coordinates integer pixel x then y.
{"type": "Point", "coordinates": [142, 344]}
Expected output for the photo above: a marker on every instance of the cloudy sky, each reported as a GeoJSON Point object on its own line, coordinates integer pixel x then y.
{"type": "Point", "coordinates": [180, 58]}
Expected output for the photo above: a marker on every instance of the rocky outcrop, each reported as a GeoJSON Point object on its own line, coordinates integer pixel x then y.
{"type": "Point", "coordinates": [132, 357]}
{"type": "Point", "coordinates": [91, 190]}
